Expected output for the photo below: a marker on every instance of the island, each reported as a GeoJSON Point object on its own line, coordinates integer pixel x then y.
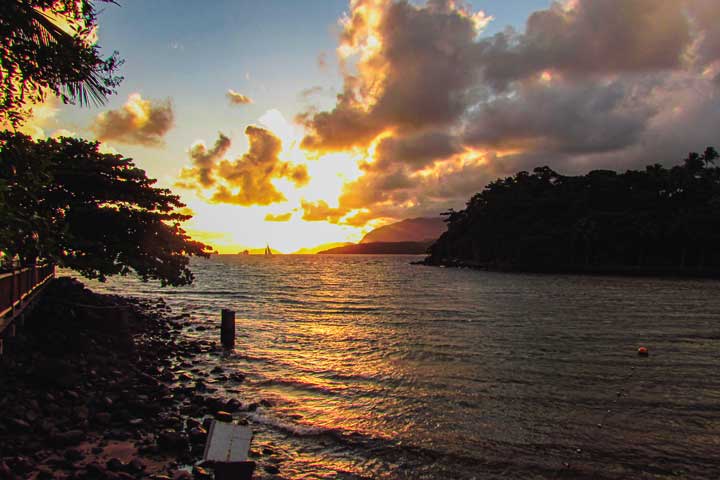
{"type": "Point", "coordinates": [657, 221]}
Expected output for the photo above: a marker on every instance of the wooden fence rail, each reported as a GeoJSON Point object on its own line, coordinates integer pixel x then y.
{"type": "Point", "coordinates": [17, 289]}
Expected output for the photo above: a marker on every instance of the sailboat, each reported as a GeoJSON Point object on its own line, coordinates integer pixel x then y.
{"type": "Point", "coordinates": [268, 252]}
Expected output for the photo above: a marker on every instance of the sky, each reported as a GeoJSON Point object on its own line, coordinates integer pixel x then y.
{"type": "Point", "coordinates": [301, 123]}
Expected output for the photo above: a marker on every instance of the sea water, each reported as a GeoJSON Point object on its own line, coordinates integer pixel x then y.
{"type": "Point", "coordinates": [375, 368]}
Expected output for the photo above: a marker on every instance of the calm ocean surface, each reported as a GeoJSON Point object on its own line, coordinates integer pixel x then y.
{"type": "Point", "coordinates": [379, 369]}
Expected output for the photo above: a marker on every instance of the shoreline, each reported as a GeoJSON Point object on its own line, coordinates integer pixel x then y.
{"type": "Point", "coordinates": [103, 387]}
{"type": "Point", "coordinates": [610, 271]}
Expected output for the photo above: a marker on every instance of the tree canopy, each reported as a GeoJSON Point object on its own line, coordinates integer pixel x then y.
{"type": "Point", "coordinates": [659, 217]}
{"type": "Point", "coordinates": [62, 200]}
{"type": "Point", "coordinates": [46, 46]}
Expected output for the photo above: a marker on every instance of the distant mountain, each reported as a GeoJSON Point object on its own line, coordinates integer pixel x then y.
{"type": "Point", "coordinates": [422, 229]}
{"type": "Point", "coordinates": [394, 248]}
{"type": "Point", "coordinates": [319, 248]}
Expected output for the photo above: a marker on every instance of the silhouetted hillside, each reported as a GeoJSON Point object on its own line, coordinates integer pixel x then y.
{"type": "Point", "coordinates": [409, 230]}
{"type": "Point", "coordinates": [395, 248]}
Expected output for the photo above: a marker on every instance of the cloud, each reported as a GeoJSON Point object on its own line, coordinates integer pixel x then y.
{"type": "Point", "coordinates": [320, 211]}
{"type": "Point", "coordinates": [204, 161]}
{"type": "Point", "coordinates": [413, 70]}
{"type": "Point", "coordinates": [237, 98]}
{"type": "Point", "coordinates": [437, 111]}
{"type": "Point", "coordinates": [281, 217]}
{"type": "Point", "coordinates": [591, 37]}
{"type": "Point", "coordinates": [247, 180]}
{"type": "Point", "coordinates": [306, 93]}
{"type": "Point", "coordinates": [139, 122]}
{"type": "Point", "coordinates": [562, 117]}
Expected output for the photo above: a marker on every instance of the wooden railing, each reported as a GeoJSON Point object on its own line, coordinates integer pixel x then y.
{"type": "Point", "coordinates": [17, 289]}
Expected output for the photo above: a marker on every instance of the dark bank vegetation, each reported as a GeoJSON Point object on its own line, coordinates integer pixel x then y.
{"type": "Point", "coordinates": [660, 219]}
{"type": "Point", "coordinates": [63, 201]}
{"type": "Point", "coordinates": [47, 48]}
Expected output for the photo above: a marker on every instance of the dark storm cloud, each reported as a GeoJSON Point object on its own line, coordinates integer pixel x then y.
{"type": "Point", "coordinates": [562, 117]}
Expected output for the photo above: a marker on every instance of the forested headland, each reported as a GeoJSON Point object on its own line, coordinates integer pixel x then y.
{"type": "Point", "coordinates": [655, 221]}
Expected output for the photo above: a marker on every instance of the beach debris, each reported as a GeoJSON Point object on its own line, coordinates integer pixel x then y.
{"type": "Point", "coordinates": [643, 351]}
{"type": "Point", "coordinates": [227, 450]}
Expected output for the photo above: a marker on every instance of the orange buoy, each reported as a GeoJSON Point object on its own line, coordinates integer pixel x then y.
{"type": "Point", "coordinates": [643, 351]}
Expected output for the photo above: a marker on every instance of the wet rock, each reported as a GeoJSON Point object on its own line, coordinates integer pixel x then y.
{"type": "Point", "coordinates": [201, 474]}
{"type": "Point", "coordinates": [223, 416]}
{"type": "Point", "coordinates": [233, 405]}
{"type": "Point", "coordinates": [237, 376]}
{"type": "Point", "coordinates": [271, 469]}
{"type": "Point", "coordinates": [198, 435]}
{"type": "Point", "coordinates": [191, 423]}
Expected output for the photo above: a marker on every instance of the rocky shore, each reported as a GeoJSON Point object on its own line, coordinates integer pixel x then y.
{"type": "Point", "coordinates": [102, 387]}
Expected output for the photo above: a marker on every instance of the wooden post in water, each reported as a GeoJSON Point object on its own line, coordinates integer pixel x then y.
{"type": "Point", "coordinates": [227, 328]}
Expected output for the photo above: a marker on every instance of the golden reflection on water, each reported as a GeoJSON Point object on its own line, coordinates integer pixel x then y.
{"type": "Point", "coordinates": [376, 367]}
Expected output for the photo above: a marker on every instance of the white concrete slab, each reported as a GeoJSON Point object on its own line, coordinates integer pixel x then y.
{"type": "Point", "coordinates": [227, 442]}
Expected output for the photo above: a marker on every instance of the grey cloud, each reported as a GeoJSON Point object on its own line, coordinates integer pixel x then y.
{"type": "Point", "coordinates": [139, 122]}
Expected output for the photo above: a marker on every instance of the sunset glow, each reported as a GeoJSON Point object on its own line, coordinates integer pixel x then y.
{"type": "Point", "coordinates": [386, 109]}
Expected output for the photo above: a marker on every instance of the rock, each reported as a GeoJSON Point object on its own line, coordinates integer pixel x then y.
{"type": "Point", "coordinates": [206, 423]}
{"type": "Point", "coordinates": [95, 470]}
{"type": "Point", "coordinates": [201, 474]}
{"type": "Point", "coordinates": [115, 465]}
{"type": "Point", "coordinates": [182, 475]}
{"type": "Point", "coordinates": [172, 440]}
{"type": "Point", "coordinates": [71, 437]}
{"type": "Point", "coordinates": [198, 435]}
{"type": "Point", "coordinates": [191, 423]}
{"type": "Point", "coordinates": [103, 418]}
{"type": "Point", "coordinates": [223, 416]}
{"type": "Point", "coordinates": [233, 405]}
{"type": "Point", "coordinates": [20, 424]}
{"type": "Point", "coordinates": [73, 454]}
{"type": "Point", "coordinates": [271, 469]}
{"type": "Point", "coordinates": [43, 473]}
{"type": "Point", "coordinates": [135, 466]}
{"type": "Point", "coordinates": [237, 376]}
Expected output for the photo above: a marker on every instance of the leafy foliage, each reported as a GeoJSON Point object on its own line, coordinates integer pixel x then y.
{"type": "Point", "coordinates": [46, 47]}
{"type": "Point", "coordinates": [659, 217]}
{"type": "Point", "coordinates": [62, 200]}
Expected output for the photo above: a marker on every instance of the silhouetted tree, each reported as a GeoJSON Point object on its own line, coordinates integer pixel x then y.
{"type": "Point", "coordinates": [62, 200]}
{"type": "Point", "coordinates": [46, 47]}
{"type": "Point", "coordinates": [657, 217]}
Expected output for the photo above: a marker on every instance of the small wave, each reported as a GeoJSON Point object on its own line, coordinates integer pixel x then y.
{"type": "Point", "coordinates": [303, 385]}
